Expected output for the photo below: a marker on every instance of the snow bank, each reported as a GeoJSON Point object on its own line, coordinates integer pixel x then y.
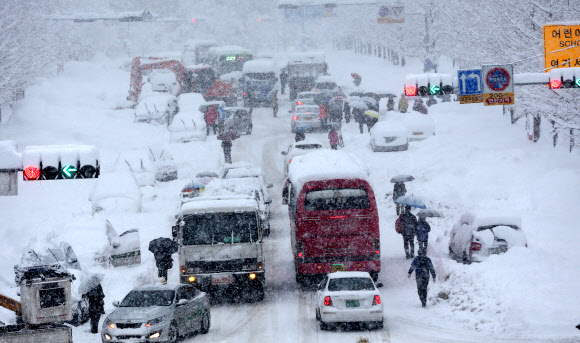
{"type": "Point", "coordinates": [259, 66]}
{"type": "Point", "coordinates": [9, 156]}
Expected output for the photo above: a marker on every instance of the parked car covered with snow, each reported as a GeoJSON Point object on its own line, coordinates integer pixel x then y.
{"type": "Point", "coordinates": [299, 148]}
{"type": "Point", "coordinates": [389, 135]}
{"type": "Point", "coordinates": [163, 80]}
{"type": "Point", "coordinates": [117, 191]}
{"type": "Point", "coordinates": [473, 238]}
{"type": "Point", "coordinates": [157, 108]}
{"type": "Point", "coordinates": [420, 126]}
{"type": "Point", "coordinates": [248, 171]}
{"type": "Point", "coordinates": [139, 163]}
{"type": "Point", "coordinates": [189, 123]}
{"type": "Point", "coordinates": [158, 312]}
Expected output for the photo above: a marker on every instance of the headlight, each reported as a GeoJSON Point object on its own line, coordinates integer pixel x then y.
{"type": "Point", "coordinates": [154, 321]}
{"type": "Point", "coordinates": [110, 324]}
{"type": "Point", "coordinates": [155, 335]}
{"type": "Point", "coordinates": [107, 336]}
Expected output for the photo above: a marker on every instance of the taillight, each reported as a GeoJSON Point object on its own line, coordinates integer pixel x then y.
{"type": "Point", "coordinates": [319, 118]}
{"type": "Point", "coordinates": [295, 118]}
{"type": "Point", "coordinates": [290, 161]}
{"type": "Point", "coordinates": [475, 246]}
{"type": "Point", "coordinates": [300, 250]}
{"type": "Point", "coordinates": [327, 301]}
{"type": "Point", "coordinates": [336, 217]}
{"type": "Point", "coordinates": [182, 270]}
{"type": "Point", "coordinates": [377, 300]}
{"type": "Point", "coordinates": [377, 246]}
{"type": "Point", "coordinates": [245, 93]}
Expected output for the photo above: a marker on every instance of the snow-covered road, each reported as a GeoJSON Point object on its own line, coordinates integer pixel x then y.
{"type": "Point", "coordinates": [477, 162]}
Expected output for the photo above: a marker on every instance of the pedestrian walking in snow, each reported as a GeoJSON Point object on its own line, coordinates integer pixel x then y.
{"type": "Point", "coordinates": [346, 112]}
{"type": "Point", "coordinates": [275, 105]}
{"type": "Point", "coordinates": [162, 249]}
{"type": "Point", "coordinates": [391, 104]}
{"type": "Point", "coordinates": [210, 117]}
{"type": "Point", "coordinates": [283, 80]}
{"type": "Point", "coordinates": [422, 232]}
{"type": "Point", "coordinates": [359, 117]}
{"type": "Point", "coordinates": [96, 306]}
{"type": "Point", "coordinates": [333, 139]}
{"type": "Point", "coordinates": [422, 266]}
{"type": "Point", "coordinates": [371, 121]}
{"type": "Point", "coordinates": [409, 222]}
{"type": "Point", "coordinates": [323, 114]}
{"type": "Point", "coordinates": [227, 147]}
{"type": "Point", "coordinates": [420, 107]}
{"type": "Point", "coordinates": [403, 104]}
{"type": "Point", "coordinates": [398, 191]}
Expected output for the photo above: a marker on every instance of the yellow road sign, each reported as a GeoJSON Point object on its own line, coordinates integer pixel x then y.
{"type": "Point", "coordinates": [561, 46]}
{"type": "Point", "coordinates": [506, 98]}
{"type": "Point", "coordinates": [470, 99]}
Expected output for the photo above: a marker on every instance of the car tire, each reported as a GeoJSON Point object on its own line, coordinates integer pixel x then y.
{"type": "Point", "coordinates": [173, 333]}
{"type": "Point", "coordinates": [465, 259]}
{"type": "Point", "coordinates": [377, 325]}
{"type": "Point", "coordinates": [205, 323]}
{"type": "Point", "coordinates": [318, 317]}
{"type": "Point", "coordinates": [324, 326]}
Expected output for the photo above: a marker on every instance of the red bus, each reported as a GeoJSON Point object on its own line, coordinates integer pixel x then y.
{"type": "Point", "coordinates": [333, 216]}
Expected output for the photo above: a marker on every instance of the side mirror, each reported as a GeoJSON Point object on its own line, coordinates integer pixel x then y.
{"type": "Point", "coordinates": [283, 153]}
{"type": "Point", "coordinates": [379, 284]}
{"type": "Point", "coordinates": [270, 185]}
{"type": "Point", "coordinates": [174, 231]}
{"type": "Point", "coordinates": [268, 202]}
{"type": "Point", "coordinates": [116, 303]}
{"type": "Point", "coordinates": [182, 302]}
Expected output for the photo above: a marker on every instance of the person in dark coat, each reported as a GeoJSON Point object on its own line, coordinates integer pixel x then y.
{"type": "Point", "coordinates": [391, 104]}
{"type": "Point", "coordinates": [227, 146]}
{"type": "Point", "coordinates": [346, 112]}
{"type": "Point", "coordinates": [422, 266]}
{"type": "Point", "coordinates": [398, 191]}
{"type": "Point", "coordinates": [422, 232]}
{"type": "Point", "coordinates": [359, 117]}
{"type": "Point", "coordinates": [96, 306]}
{"type": "Point", "coordinates": [409, 222]}
{"type": "Point", "coordinates": [420, 107]}
{"type": "Point", "coordinates": [283, 80]}
{"type": "Point", "coordinates": [164, 262]}
{"type": "Point", "coordinates": [335, 112]}
{"type": "Point", "coordinates": [371, 121]}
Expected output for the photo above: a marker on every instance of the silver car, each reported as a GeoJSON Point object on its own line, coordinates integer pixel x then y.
{"type": "Point", "coordinates": [157, 313]}
{"type": "Point", "coordinates": [306, 117]}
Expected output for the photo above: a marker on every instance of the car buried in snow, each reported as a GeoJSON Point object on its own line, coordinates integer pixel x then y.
{"type": "Point", "coordinates": [348, 297]}
{"type": "Point", "coordinates": [157, 312]}
{"type": "Point", "coordinates": [389, 135]}
{"type": "Point", "coordinates": [299, 148]}
{"type": "Point", "coordinates": [473, 238]}
{"type": "Point", "coordinates": [157, 108]}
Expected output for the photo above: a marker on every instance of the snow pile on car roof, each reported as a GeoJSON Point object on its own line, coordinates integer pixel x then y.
{"type": "Point", "coordinates": [325, 164]}
{"type": "Point", "coordinates": [229, 49]}
{"type": "Point", "coordinates": [259, 66]}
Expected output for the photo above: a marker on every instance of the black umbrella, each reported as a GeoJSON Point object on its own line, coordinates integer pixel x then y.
{"type": "Point", "coordinates": [402, 178]}
{"type": "Point", "coordinates": [228, 136]}
{"type": "Point", "coordinates": [163, 245]}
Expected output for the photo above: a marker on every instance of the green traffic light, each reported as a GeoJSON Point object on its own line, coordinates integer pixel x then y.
{"type": "Point", "coordinates": [68, 171]}
{"type": "Point", "coordinates": [434, 89]}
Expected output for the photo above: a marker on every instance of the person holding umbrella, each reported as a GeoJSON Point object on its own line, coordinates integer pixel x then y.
{"type": "Point", "coordinates": [399, 189]}
{"type": "Point", "coordinates": [227, 138]}
{"type": "Point", "coordinates": [422, 231]}
{"type": "Point", "coordinates": [422, 266]}
{"type": "Point", "coordinates": [91, 287]}
{"type": "Point", "coordinates": [162, 249]}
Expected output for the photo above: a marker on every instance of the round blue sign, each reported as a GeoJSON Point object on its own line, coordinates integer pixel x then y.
{"type": "Point", "coordinates": [383, 11]}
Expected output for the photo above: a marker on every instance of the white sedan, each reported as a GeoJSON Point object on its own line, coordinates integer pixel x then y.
{"type": "Point", "coordinates": [420, 126]}
{"type": "Point", "coordinates": [189, 124]}
{"type": "Point", "coordinates": [348, 297]}
{"type": "Point", "coordinates": [299, 148]}
{"type": "Point", "coordinates": [156, 108]}
{"type": "Point", "coordinates": [389, 135]}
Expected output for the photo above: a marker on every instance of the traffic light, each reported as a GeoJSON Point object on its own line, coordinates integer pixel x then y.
{"type": "Point", "coordinates": [564, 78]}
{"type": "Point", "coordinates": [53, 162]}
{"type": "Point", "coordinates": [429, 84]}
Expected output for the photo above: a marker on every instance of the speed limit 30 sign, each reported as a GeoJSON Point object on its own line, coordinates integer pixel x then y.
{"type": "Point", "coordinates": [498, 84]}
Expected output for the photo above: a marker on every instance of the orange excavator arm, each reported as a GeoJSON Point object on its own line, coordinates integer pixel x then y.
{"type": "Point", "coordinates": [11, 304]}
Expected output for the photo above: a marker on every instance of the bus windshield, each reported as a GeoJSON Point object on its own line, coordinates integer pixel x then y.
{"type": "Point", "coordinates": [220, 228]}
{"type": "Point", "coordinates": [336, 199]}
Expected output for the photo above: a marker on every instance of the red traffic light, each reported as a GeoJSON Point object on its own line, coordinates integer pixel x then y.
{"type": "Point", "coordinates": [411, 90]}
{"type": "Point", "coordinates": [31, 173]}
{"type": "Point", "coordinates": [193, 20]}
{"type": "Point", "coordinates": [555, 84]}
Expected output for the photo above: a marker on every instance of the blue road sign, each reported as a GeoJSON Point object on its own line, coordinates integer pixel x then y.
{"type": "Point", "coordinates": [221, 113]}
{"type": "Point", "coordinates": [469, 82]}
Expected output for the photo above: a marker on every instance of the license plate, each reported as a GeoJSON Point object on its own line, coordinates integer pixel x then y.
{"type": "Point", "coordinates": [222, 279]}
{"type": "Point", "coordinates": [417, 133]}
{"type": "Point", "coordinates": [352, 303]}
{"type": "Point", "coordinates": [338, 268]}
{"type": "Point", "coordinates": [307, 118]}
